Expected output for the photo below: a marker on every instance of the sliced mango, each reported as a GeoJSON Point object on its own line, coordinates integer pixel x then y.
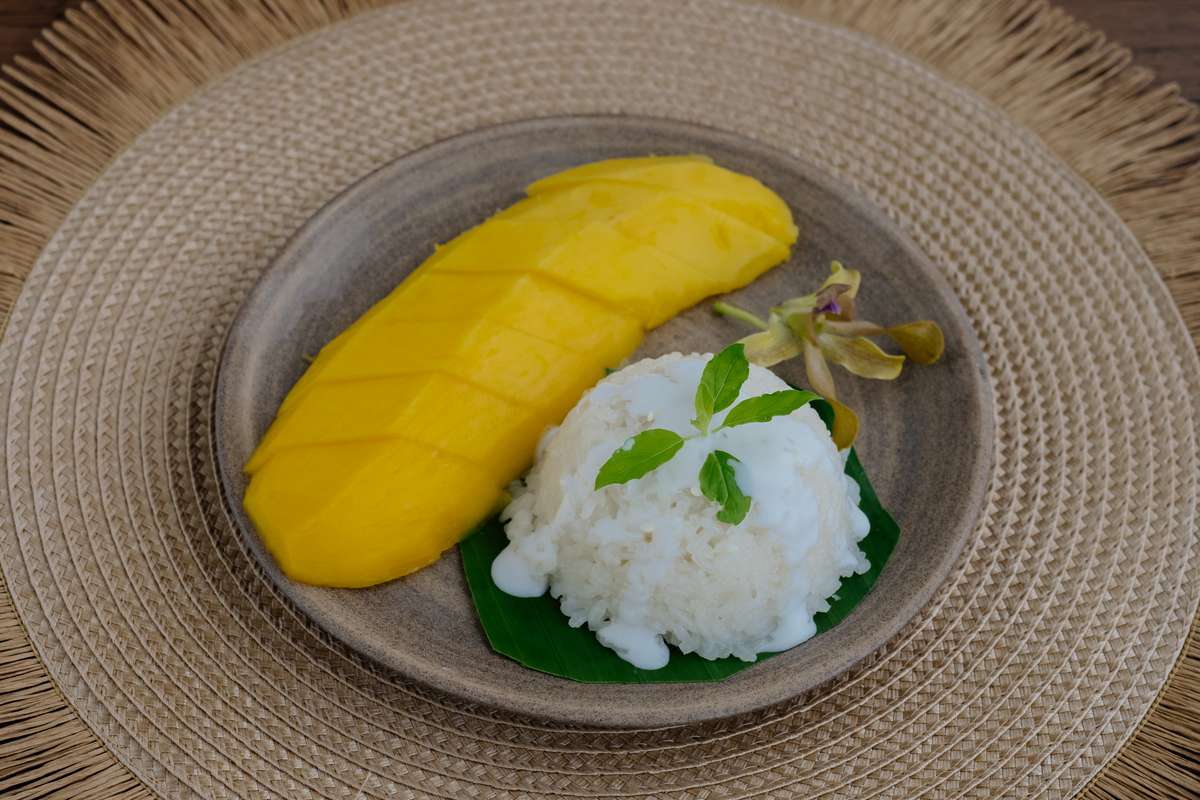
{"type": "Point", "coordinates": [599, 263]}
{"type": "Point", "coordinates": [535, 304]}
{"type": "Point", "coordinates": [317, 364]}
{"type": "Point", "coordinates": [541, 308]}
{"type": "Point", "coordinates": [588, 202]}
{"type": "Point", "coordinates": [501, 244]}
{"type": "Point", "coordinates": [522, 368]}
{"type": "Point", "coordinates": [727, 252]}
{"type": "Point", "coordinates": [651, 262]}
{"type": "Point", "coordinates": [357, 514]}
{"type": "Point", "coordinates": [405, 428]}
{"type": "Point", "coordinates": [435, 409]}
{"type": "Point", "coordinates": [643, 280]}
{"type": "Point", "coordinates": [738, 195]}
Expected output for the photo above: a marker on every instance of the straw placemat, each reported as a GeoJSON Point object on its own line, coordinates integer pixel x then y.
{"type": "Point", "coordinates": [183, 673]}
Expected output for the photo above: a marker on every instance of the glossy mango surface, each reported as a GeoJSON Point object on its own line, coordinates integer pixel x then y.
{"type": "Point", "coordinates": [406, 427]}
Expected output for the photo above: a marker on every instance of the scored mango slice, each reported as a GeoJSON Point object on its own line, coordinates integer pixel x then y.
{"type": "Point", "coordinates": [738, 195]}
{"type": "Point", "coordinates": [432, 408]}
{"type": "Point", "coordinates": [359, 513]}
{"type": "Point", "coordinates": [406, 427]}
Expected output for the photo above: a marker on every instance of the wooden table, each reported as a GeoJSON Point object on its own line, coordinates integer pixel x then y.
{"type": "Point", "coordinates": [1163, 34]}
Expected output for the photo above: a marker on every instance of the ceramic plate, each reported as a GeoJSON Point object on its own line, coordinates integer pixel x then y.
{"type": "Point", "coordinates": [926, 442]}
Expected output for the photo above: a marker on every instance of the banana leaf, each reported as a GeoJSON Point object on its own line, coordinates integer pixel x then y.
{"type": "Point", "coordinates": [533, 632]}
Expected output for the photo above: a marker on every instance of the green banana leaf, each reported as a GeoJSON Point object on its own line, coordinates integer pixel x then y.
{"type": "Point", "coordinates": [533, 632]}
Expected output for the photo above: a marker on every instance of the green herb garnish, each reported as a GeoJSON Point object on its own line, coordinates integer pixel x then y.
{"type": "Point", "coordinates": [719, 484]}
{"type": "Point", "coordinates": [719, 386]}
{"type": "Point", "coordinates": [639, 455]}
{"type": "Point", "coordinates": [720, 383]}
{"type": "Point", "coordinates": [766, 406]}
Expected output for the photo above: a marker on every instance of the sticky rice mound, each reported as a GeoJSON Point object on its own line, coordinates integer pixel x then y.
{"type": "Point", "coordinates": [646, 563]}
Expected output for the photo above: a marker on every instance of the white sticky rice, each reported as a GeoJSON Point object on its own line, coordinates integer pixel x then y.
{"type": "Point", "coordinates": [647, 563]}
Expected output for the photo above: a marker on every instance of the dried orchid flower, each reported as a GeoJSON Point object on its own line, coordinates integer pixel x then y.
{"type": "Point", "coordinates": [821, 327]}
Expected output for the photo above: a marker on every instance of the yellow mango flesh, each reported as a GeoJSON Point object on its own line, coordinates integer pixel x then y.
{"type": "Point", "coordinates": [727, 251]}
{"type": "Point", "coordinates": [405, 428]}
{"type": "Point", "coordinates": [596, 201]}
{"type": "Point", "coordinates": [435, 409]}
{"type": "Point", "coordinates": [522, 368]}
{"type": "Point", "coordinates": [532, 307]}
{"type": "Point", "coordinates": [652, 261]}
{"type": "Point", "coordinates": [526, 302]}
{"type": "Point", "coordinates": [596, 262]}
{"type": "Point", "coordinates": [735, 194]}
{"type": "Point", "coordinates": [357, 514]}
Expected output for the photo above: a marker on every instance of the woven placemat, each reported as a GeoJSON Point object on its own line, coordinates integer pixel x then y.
{"type": "Point", "coordinates": [1027, 672]}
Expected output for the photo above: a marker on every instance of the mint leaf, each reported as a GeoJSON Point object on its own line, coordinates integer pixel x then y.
{"type": "Point", "coordinates": [639, 455]}
{"type": "Point", "coordinates": [720, 383]}
{"type": "Point", "coordinates": [767, 406]}
{"type": "Point", "coordinates": [719, 484]}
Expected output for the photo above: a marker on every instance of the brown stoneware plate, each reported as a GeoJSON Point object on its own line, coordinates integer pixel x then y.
{"type": "Point", "coordinates": [926, 443]}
